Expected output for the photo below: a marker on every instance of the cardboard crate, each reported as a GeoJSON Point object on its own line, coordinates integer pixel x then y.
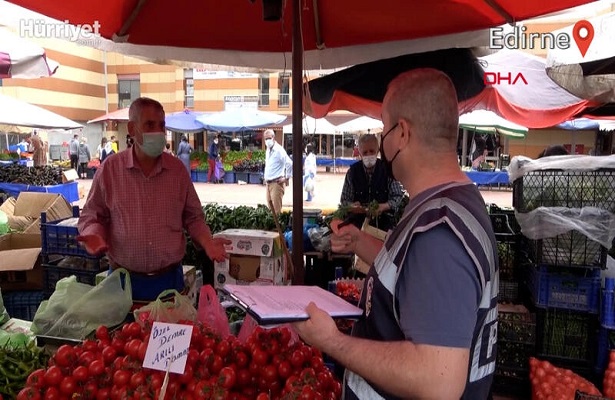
{"type": "Point", "coordinates": [255, 258]}
{"type": "Point", "coordinates": [20, 262]}
{"type": "Point", "coordinates": [24, 212]}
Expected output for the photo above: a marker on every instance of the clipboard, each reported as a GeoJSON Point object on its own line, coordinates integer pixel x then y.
{"type": "Point", "coordinates": [273, 305]}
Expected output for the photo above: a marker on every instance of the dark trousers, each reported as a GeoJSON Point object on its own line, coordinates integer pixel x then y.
{"type": "Point", "coordinates": [74, 161]}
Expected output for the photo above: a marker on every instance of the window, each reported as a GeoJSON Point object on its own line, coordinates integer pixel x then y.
{"type": "Point", "coordinates": [284, 87]}
{"type": "Point", "coordinates": [128, 89]}
{"type": "Point", "coordinates": [188, 88]}
{"type": "Point", "coordinates": [263, 90]}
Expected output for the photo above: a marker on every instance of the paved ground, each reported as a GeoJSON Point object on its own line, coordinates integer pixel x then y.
{"type": "Point", "coordinates": [328, 190]}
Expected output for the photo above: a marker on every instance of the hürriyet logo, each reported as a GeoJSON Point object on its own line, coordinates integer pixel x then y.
{"type": "Point", "coordinates": [85, 34]}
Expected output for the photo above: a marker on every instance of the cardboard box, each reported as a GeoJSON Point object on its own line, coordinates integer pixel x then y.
{"type": "Point", "coordinates": [25, 212]}
{"type": "Point", "coordinates": [255, 258]}
{"type": "Point", "coordinates": [20, 262]}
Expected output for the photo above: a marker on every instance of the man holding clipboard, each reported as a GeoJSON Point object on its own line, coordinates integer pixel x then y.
{"type": "Point", "coordinates": [430, 295]}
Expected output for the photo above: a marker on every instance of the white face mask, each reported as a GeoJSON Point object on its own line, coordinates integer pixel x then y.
{"type": "Point", "coordinates": [154, 143]}
{"type": "Point", "coordinates": [269, 143]}
{"type": "Point", "coordinates": [369, 161]}
{"type": "Point", "coordinates": [216, 141]}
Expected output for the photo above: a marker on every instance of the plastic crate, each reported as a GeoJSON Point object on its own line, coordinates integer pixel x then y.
{"type": "Point", "coordinates": [569, 188]}
{"type": "Point", "coordinates": [571, 249]}
{"type": "Point", "coordinates": [568, 336]}
{"type": "Point", "coordinates": [607, 310]}
{"type": "Point", "coordinates": [255, 178]}
{"type": "Point", "coordinates": [569, 289]}
{"type": "Point", "coordinates": [508, 259]}
{"type": "Point", "coordinates": [606, 343]}
{"type": "Point", "coordinates": [61, 240]}
{"type": "Point", "coordinates": [508, 292]}
{"type": "Point", "coordinates": [22, 305]}
{"type": "Point", "coordinates": [516, 339]}
{"type": "Point", "coordinates": [56, 270]}
{"type": "Point", "coordinates": [512, 382]}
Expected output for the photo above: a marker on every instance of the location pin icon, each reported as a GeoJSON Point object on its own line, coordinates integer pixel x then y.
{"type": "Point", "coordinates": [584, 41]}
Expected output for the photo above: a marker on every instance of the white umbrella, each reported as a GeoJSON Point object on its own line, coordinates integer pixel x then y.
{"type": "Point", "coordinates": [313, 126]}
{"type": "Point", "coordinates": [239, 119]}
{"type": "Point", "coordinates": [361, 124]}
{"type": "Point", "coordinates": [19, 113]}
{"type": "Point", "coordinates": [20, 58]}
{"type": "Point", "coordinates": [587, 72]}
{"type": "Point", "coordinates": [489, 122]}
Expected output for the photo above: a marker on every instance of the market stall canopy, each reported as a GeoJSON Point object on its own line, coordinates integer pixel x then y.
{"type": "Point", "coordinates": [361, 124]}
{"type": "Point", "coordinates": [118, 115]}
{"type": "Point", "coordinates": [311, 126]}
{"type": "Point", "coordinates": [20, 113]}
{"type": "Point", "coordinates": [484, 121]}
{"type": "Point", "coordinates": [23, 59]}
{"type": "Point", "coordinates": [529, 98]}
{"type": "Point", "coordinates": [589, 75]}
{"type": "Point", "coordinates": [335, 33]}
{"type": "Point", "coordinates": [579, 124]}
{"type": "Point", "coordinates": [239, 119]}
{"type": "Point", "coordinates": [184, 121]}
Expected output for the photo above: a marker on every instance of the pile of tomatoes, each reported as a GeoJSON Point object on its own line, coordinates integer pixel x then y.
{"type": "Point", "coordinates": [608, 384]}
{"type": "Point", "coordinates": [266, 366]}
{"type": "Point", "coordinates": [348, 291]}
{"type": "Point", "coordinates": [552, 383]}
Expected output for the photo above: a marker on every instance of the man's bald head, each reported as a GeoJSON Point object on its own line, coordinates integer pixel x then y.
{"type": "Point", "coordinates": [427, 99]}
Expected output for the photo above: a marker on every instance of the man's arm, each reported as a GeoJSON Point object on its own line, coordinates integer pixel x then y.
{"type": "Point", "coordinates": [288, 165]}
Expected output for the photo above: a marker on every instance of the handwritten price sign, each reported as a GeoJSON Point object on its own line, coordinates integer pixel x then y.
{"type": "Point", "coordinates": [168, 347]}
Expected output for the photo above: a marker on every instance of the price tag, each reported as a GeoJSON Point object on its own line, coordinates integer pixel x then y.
{"type": "Point", "coordinates": [29, 163]}
{"type": "Point", "coordinates": [168, 347]}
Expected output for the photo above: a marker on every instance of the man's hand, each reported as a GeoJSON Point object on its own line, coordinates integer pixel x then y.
{"type": "Point", "coordinates": [94, 244]}
{"type": "Point", "coordinates": [344, 240]}
{"type": "Point", "coordinates": [215, 249]}
{"type": "Point", "coordinates": [319, 330]}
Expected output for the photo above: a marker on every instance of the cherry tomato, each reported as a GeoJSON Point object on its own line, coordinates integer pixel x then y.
{"type": "Point", "coordinates": [262, 396]}
{"type": "Point", "coordinates": [241, 359]}
{"type": "Point", "coordinates": [121, 378]}
{"type": "Point", "coordinates": [53, 376]}
{"type": "Point", "coordinates": [28, 393]}
{"type": "Point", "coordinates": [259, 357]}
{"type": "Point", "coordinates": [284, 369]}
{"type": "Point", "coordinates": [297, 359]}
{"type": "Point", "coordinates": [65, 356]}
{"type": "Point", "coordinates": [109, 354]}
{"type": "Point", "coordinates": [80, 374]}
{"type": "Point", "coordinates": [270, 373]}
{"type": "Point", "coordinates": [243, 377]}
{"type": "Point", "coordinates": [102, 333]}
{"type": "Point", "coordinates": [87, 357]}
{"type": "Point", "coordinates": [223, 348]}
{"type": "Point", "coordinates": [52, 393]}
{"type": "Point", "coordinates": [137, 379]}
{"type": "Point", "coordinates": [133, 330]}
{"type": "Point", "coordinates": [228, 377]}
{"type": "Point", "coordinates": [68, 385]}
{"type": "Point", "coordinates": [36, 378]}
{"type": "Point", "coordinates": [97, 367]}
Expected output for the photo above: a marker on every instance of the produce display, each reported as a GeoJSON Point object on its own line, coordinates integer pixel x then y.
{"type": "Point", "coordinates": [9, 156]}
{"type": "Point", "coordinates": [17, 362]}
{"type": "Point", "coordinates": [38, 176]}
{"type": "Point", "coordinates": [608, 385]}
{"type": "Point", "coordinates": [269, 365]}
{"type": "Point", "coordinates": [552, 383]}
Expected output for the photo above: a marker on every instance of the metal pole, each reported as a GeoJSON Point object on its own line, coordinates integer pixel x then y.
{"type": "Point", "coordinates": [464, 148]}
{"type": "Point", "coordinates": [297, 249]}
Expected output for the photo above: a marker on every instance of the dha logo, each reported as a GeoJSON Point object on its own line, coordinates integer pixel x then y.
{"type": "Point", "coordinates": [85, 34]}
{"type": "Point", "coordinates": [499, 78]}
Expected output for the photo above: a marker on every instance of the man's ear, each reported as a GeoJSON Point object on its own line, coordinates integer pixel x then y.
{"type": "Point", "coordinates": [406, 131]}
{"type": "Point", "coordinates": [131, 127]}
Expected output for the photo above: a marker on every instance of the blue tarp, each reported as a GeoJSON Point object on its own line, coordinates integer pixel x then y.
{"type": "Point", "coordinates": [70, 190]}
{"type": "Point", "coordinates": [341, 162]}
{"type": "Point", "coordinates": [488, 178]}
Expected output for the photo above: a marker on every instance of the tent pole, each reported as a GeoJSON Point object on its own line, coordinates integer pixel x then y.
{"type": "Point", "coordinates": [464, 148]}
{"type": "Point", "coordinates": [297, 110]}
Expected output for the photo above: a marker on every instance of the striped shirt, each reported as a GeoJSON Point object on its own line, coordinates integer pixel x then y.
{"type": "Point", "coordinates": [143, 218]}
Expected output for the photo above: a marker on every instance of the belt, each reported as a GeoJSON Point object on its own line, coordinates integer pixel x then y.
{"type": "Point", "coordinates": [159, 272]}
{"type": "Point", "coordinates": [274, 180]}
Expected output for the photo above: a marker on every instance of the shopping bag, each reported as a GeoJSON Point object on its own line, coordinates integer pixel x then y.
{"type": "Point", "coordinates": [250, 326]}
{"type": "Point", "coordinates": [173, 311]}
{"type": "Point", "coordinates": [75, 309]}
{"type": "Point", "coordinates": [219, 170]}
{"type": "Point", "coordinates": [211, 312]}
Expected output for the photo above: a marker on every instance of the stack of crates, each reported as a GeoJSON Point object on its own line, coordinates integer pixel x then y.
{"type": "Point", "coordinates": [64, 256]}
{"type": "Point", "coordinates": [516, 325]}
{"type": "Point", "coordinates": [563, 280]}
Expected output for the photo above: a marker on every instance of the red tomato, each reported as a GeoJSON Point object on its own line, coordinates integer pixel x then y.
{"type": "Point", "coordinates": [102, 333]}
{"type": "Point", "coordinates": [52, 393]}
{"type": "Point", "coordinates": [103, 393]}
{"type": "Point", "coordinates": [121, 378]}
{"type": "Point", "coordinates": [241, 359]}
{"type": "Point", "coordinates": [65, 356]}
{"type": "Point", "coordinates": [28, 393]}
{"type": "Point", "coordinates": [228, 377]}
{"type": "Point", "coordinates": [262, 396]}
{"type": "Point", "coordinates": [243, 377]}
{"type": "Point", "coordinates": [109, 354]}
{"type": "Point", "coordinates": [68, 385]}
{"type": "Point", "coordinates": [223, 348]}
{"type": "Point", "coordinates": [97, 367]}
{"type": "Point", "coordinates": [36, 378]}
{"type": "Point", "coordinates": [259, 357]}
{"type": "Point", "coordinates": [137, 379]}
{"type": "Point", "coordinates": [90, 390]}
{"type": "Point", "coordinates": [270, 373]}
{"type": "Point", "coordinates": [80, 374]}
{"type": "Point", "coordinates": [284, 369]}
{"type": "Point", "coordinates": [53, 376]}
{"type": "Point", "coordinates": [87, 357]}
{"type": "Point", "coordinates": [297, 359]}
{"type": "Point", "coordinates": [133, 330]}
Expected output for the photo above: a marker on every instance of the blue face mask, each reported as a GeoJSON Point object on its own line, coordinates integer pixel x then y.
{"type": "Point", "coordinates": [154, 143]}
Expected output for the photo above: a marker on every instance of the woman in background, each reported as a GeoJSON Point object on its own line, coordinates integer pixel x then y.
{"type": "Point", "coordinates": [84, 158]}
{"type": "Point", "coordinates": [183, 152]}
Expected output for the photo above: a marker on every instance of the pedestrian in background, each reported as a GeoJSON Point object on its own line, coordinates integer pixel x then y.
{"type": "Point", "coordinates": [73, 152]}
{"type": "Point", "coordinates": [183, 152]}
{"type": "Point", "coordinates": [309, 172]}
{"type": "Point", "coordinates": [84, 158]}
{"type": "Point", "coordinates": [278, 170]}
{"type": "Point", "coordinates": [212, 156]}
